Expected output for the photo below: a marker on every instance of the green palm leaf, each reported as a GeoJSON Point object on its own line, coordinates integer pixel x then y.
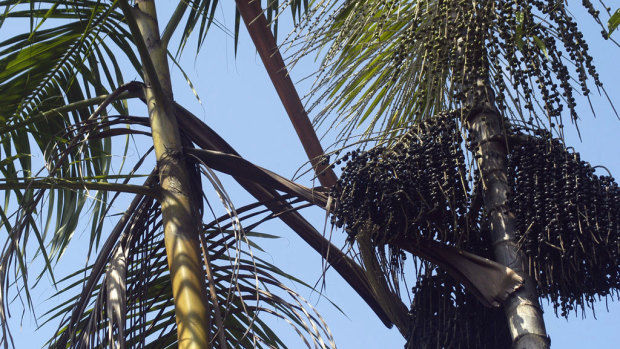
{"type": "Point", "coordinates": [389, 65]}
{"type": "Point", "coordinates": [59, 79]}
{"type": "Point", "coordinates": [48, 75]}
{"type": "Point", "coordinates": [243, 287]}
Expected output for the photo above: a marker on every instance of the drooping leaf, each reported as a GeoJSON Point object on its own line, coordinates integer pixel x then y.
{"type": "Point", "coordinates": [244, 287]}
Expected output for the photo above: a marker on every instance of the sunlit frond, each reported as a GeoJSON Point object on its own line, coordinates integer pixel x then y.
{"type": "Point", "coordinates": [51, 72]}
{"type": "Point", "coordinates": [391, 64]}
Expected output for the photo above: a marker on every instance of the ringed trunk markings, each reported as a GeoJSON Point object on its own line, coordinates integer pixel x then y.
{"type": "Point", "coordinates": [522, 309]}
{"type": "Point", "coordinates": [180, 219]}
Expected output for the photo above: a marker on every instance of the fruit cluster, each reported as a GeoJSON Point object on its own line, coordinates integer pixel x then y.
{"type": "Point", "coordinates": [444, 315]}
{"type": "Point", "coordinates": [416, 187]}
{"type": "Point", "coordinates": [568, 222]}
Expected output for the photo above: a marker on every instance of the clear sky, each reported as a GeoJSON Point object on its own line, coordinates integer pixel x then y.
{"type": "Point", "coordinates": [239, 102]}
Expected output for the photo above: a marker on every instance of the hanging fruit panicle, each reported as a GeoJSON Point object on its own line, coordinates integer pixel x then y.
{"type": "Point", "coordinates": [443, 315]}
{"type": "Point", "coordinates": [416, 187]}
{"type": "Point", "coordinates": [568, 221]}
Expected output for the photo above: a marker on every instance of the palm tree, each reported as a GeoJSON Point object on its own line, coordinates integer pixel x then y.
{"type": "Point", "coordinates": [491, 67]}
{"type": "Point", "coordinates": [161, 276]}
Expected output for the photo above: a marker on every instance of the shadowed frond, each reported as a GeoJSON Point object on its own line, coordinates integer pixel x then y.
{"type": "Point", "coordinates": [243, 289]}
{"type": "Point", "coordinates": [50, 75]}
{"type": "Point", "coordinates": [54, 201]}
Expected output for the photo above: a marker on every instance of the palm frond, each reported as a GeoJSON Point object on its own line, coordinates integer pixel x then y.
{"type": "Point", "coordinates": [391, 64]}
{"type": "Point", "coordinates": [243, 287]}
{"type": "Point", "coordinates": [58, 58]}
{"type": "Point", "coordinates": [50, 72]}
{"type": "Point", "coordinates": [36, 214]}
{"type": "Point", "coordinates": [267, 47]}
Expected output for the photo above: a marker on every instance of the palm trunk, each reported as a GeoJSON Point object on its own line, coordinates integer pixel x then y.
{"type": "Point", "coordinates": [522, 309]}
{"type": "Point", "coordinates": [180, 218]}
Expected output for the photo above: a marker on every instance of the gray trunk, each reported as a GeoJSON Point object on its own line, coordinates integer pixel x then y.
{"type": "Point", "coordinates": [522, 309]}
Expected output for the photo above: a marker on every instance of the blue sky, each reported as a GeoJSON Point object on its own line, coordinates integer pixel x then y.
{"type": "Point", "coordinates": [239, 102]}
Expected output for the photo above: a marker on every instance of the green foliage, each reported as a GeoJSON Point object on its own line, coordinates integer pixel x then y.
{"type": "Point", "coordinates": [245, 287]}
{"type": "Point", "coordinates": [61, 77]}
{"type": "Point", "coordinates": [390, 64]}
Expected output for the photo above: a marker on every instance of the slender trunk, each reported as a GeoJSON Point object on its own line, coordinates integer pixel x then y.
{"type": "Point", "coordinates": [180, 218]}
{"type": "Point", "coordinates": [522, 309]}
